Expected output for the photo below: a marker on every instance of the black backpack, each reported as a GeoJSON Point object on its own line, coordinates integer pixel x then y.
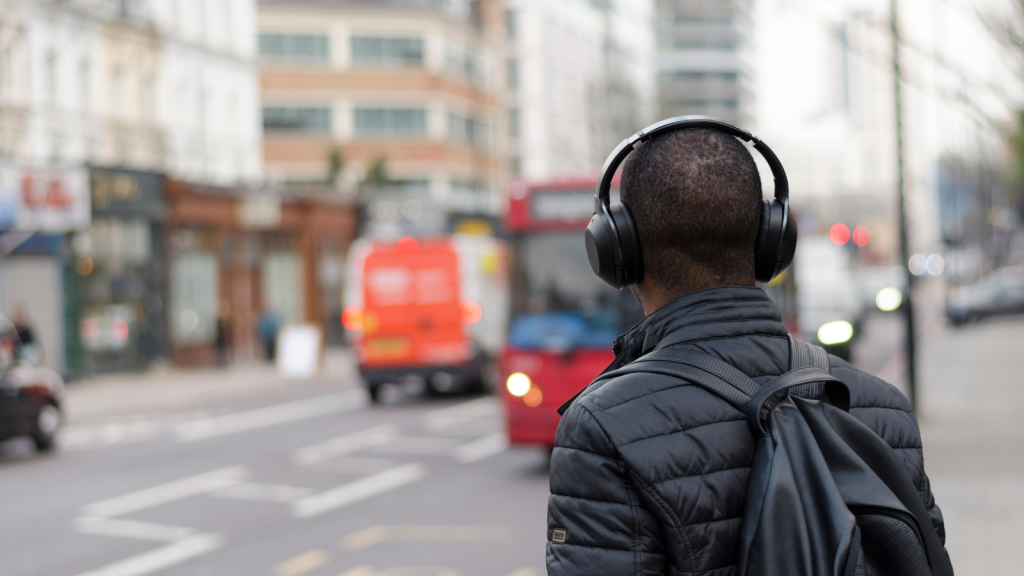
{"type": "Point", "coordinates": [826, 495]}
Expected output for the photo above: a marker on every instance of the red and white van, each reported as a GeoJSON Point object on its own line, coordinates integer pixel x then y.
{"type": "Point", "coordinates": [428, 311]}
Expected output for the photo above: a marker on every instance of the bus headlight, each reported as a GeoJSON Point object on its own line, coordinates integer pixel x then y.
{"type": "Point", "coordinates": [518, 384]}
{"type": "Point", "coordinates": [888, 299]}
{"type": "Point", "coordinates": [835, 332]}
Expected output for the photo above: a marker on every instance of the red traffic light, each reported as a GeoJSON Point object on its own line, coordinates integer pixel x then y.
{"type": "Point", "coordinates": [839, 234]}
{"type": "Point", "coordinates": [862, 236]}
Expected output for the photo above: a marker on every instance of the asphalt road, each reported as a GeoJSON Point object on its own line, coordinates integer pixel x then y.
{"type": "Point", "coordinates": [317, 483]}
{"type": "Point", "coordinates": [314, 481]}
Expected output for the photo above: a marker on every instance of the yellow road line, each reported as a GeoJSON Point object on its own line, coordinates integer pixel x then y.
{"type": "Point", "coordinates": [301, 564]}
{"type": "Point", "coordinates": [377, 534]}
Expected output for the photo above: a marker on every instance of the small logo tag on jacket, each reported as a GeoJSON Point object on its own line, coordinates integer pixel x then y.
{"type": "Point", "coordinates": [558, 536]}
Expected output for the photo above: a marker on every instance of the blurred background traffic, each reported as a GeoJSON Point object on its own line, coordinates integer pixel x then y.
{"type": "Point", "coordinates": [295, 286]}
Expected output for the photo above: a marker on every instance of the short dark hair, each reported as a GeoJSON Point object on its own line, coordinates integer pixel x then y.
{"type": "Point", "coordinates": [695, 195]}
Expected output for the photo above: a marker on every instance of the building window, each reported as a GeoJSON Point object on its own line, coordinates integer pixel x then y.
{"type": "Point", "coordinates": [700, 76]}
{"type": "Point", "coordinates": [51, 77]}
{"type": "Point", "coordinates": [308, 120]}
{"type": "Point", "coordinates": [468, 130]}
{"type": "Point", "coordinates": [194, 290]}
{"type": "Point", "coordinates": [373, 51]}
{"type": "Point", "coordinates": [85, 85]}
{"type": "Point", "coordinates": [116, 91]}
{"type": "Point", "coordinates": [390, 122]}
{"type": "Point", "coordinates": [294, 47]}
{"type": "Point", "coordinates": [510, 24]}
{"type": "Point", "coordinates": [513, 73]}
{"type": "Point", "coordinates": [513, 122]}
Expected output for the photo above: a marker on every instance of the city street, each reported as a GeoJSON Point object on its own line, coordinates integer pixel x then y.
{"type": "Point", "coordinates": [313, 481]}
{"type": "Point", "coordinates": [305, 478]}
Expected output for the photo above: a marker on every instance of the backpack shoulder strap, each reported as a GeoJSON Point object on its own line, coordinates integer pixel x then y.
{"type": "Point", "coordinates": [708, 372]}
{"type": "Point", "coordinates": [804, 355]}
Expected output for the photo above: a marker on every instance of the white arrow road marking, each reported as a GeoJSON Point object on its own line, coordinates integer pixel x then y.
{"type": "Point", "coordinates": [263, 492]}
{"type": "Point", "coordinates": [269, 416]}
{"type": "Point", "coordinates": [420, 445]}
{"type": "Point", "coordinates": [344, 445]}
{"type": "Point", "coordinates": [358, 490]}
{"type": "Point", "coordinates": [161, 558]}
{"type": "Point", "coordinates": [377, 534]}
{"type": "Point", "coordinates": [461, 413]}
{"type": "Point", "coordinates": [164, 493]}
{"type": "Point", "coordinates": [482, 448]}
{"type": "Point", "coordinates": [131, 529]}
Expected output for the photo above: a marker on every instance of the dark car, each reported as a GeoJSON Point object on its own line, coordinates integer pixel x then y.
{"type": "Point", "coordinates": [999, 292]}
{"type": "Point", "coordinates": [30, 398]}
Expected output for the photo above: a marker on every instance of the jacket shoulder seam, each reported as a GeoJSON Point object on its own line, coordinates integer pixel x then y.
{"type": "Point", "coordinates": [683, 430]}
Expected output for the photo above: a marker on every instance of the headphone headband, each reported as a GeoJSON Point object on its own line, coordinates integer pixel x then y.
{"type": "Point", "coordinates": [615, 159]}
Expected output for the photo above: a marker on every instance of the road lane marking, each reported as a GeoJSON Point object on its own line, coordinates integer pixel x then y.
{"type": "Point", "coordinates": [523, 572]}
{"type": "Point", "coordinates": [164, 493]}
{"type": "Point", "coordinates": [461, 413]}
{"type": "Point", "coordinates": [403, 571]}
{"type": "Point", "coordinates": [358, 571]}
{"type": "Point", "coordinates": [357, 490]}
{"type": "Point", "coordinates": [344, 445]}
{"type": "Point", "coordinates": [377, 534]}
{"type": "Point", "coordinates": [131, 529]}
{"type": "Point", "coordinates": [357, 465]}
{"type": "Point", "coordinates": [269, 416]}
{"type": "Point", "coordinates": [263, 492]}
{"type": "Point", "coordinates": [420, 445]}
{"type": "Point", "coordinates": [301, 564]}
{"type": "Point", "coordinates": [161, 558]}
{"type": "Point", "coordinates": [482, 448]}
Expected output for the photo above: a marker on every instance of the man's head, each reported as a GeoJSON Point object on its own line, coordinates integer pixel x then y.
{"type": "Point", "coordinates": [695, 196]}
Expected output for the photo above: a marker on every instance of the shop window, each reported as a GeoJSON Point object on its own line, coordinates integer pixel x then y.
{"type": "Point", "coordinates": [194, 297]}
{"type": "Point", "coordinates": [377, 51]}
{"type": "Point", "coordinates": [282, 287]}
{"type": "Point", "coordinates": [390, 122]}
{"type": "Point", "coordinates": [295, 47]}
{"type": "Point", "coordinates": [287, 119]}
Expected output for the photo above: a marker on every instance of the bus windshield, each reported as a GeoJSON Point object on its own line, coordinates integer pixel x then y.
{"type": "Point", "coordinates": [557, 302]}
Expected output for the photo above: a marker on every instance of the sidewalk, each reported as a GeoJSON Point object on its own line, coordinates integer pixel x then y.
{"type": "Point", "coordinates": [163, 390]}
{"type": "Point", "coordinates": [971, 407]}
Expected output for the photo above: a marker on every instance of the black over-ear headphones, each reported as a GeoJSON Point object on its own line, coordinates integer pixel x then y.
{"type": "Point", "coordinates": [613, 242]}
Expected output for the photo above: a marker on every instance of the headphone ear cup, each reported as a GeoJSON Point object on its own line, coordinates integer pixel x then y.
{"type": "Point", "coordinates": [764, 264]}
{"type": "Point", "coordinates": [775, 246]}
{"type": "Point", "coordinates": [600, 252]}
{"type": "Point", "coordinates": [629, 240]}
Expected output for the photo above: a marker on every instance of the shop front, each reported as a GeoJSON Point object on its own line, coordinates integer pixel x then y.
{"type": "Point", "coordinates": [243, 262]}
{"type": "Point", "coordinates": [39, 207]}
{"type": "Point", "coordinates": [116, 293]}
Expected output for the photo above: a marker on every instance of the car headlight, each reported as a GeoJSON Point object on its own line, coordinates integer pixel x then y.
{"type": "Point", "coordinates": [518, 384]}
{"type": "Point", "coordinates": [888, 299]}
{"type": "Point", "coordinates": [835, 332]}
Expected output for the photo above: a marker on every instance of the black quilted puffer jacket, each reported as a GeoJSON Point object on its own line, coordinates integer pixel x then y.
{"type": "Point", "coordinates": [649, 473]}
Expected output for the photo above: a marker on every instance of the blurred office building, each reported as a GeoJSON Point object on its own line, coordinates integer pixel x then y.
{"type": "Point", "coordinates": [399, 101]}
{"type": "Point", "coordinates": [580, 79]}
{"type": "Point", "coordinates": [705, 59]}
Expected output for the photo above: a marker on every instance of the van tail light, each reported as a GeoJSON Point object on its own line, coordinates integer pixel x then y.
{"type": "Point", "coordinates": [353, 318]}
{"type": "Point", "coordinates": [471, 312]}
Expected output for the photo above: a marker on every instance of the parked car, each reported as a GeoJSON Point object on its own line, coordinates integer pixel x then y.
{"type": "Point", "coordinates": [30, 398]}
{"type": "Point", "coordinates": [998, 292]}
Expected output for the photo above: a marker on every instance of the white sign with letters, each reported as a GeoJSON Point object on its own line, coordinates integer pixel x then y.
{"type": "Point", "coordinates": [44, 199]}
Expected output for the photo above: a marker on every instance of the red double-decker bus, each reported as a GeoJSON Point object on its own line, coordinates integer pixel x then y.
{"type": "Point", "coordinates": [564, 319]}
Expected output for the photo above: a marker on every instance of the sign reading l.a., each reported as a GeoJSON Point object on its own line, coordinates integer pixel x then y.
{"type": "Point", "coordinates": [44, 199]}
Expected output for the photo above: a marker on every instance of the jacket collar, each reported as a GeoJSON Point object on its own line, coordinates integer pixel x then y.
{"type": "Point", "coordinates": [719, 312]}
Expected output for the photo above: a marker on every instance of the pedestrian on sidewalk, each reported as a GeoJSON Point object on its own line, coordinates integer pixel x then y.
{"type": "Point", "coordinates": [267, 326]}
{"type": "Point", "coordinates": [649, 472]}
